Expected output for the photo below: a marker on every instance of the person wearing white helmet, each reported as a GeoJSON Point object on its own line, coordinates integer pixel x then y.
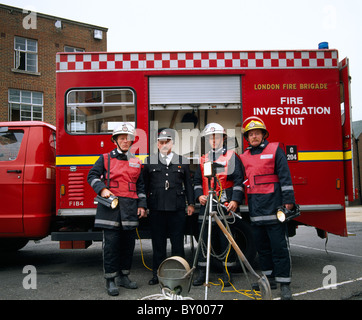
{"type": "Point", "coordinates": [269, 186]}
{"type": "Point", "coordinates": [229, 190]}
{"type": "Point", "coordinates": [118, 174]}
{"type": "Point", "coordinates": [123, 136]}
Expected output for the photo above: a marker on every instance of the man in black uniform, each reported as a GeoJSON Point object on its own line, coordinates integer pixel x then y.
{"type": "Point", "coordinates": [168, 184]}
{"type": "Point", "coordinates": [118, 173]}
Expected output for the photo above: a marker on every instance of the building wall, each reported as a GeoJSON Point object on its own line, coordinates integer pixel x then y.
{"type": "Point", "coordinates": [50, 41]}
{"type": "Point", "coordinates": [357, 168]}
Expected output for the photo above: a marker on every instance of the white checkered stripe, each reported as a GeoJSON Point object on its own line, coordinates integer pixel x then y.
{"type": "Point", "coordinates": [196, 60]}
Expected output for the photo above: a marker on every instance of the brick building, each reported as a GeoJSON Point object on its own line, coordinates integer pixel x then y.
{"type": "Point", "coordinates": [357, 159]}
{"type": "Point", "coordinates": [29, 42]}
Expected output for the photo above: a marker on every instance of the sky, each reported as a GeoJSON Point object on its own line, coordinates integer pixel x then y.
{"type": "Point", "coordinates": [210, 25]}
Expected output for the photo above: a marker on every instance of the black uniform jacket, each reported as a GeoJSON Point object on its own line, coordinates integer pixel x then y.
{"type": "Point", "coordinates": [125, 215]}
{"type": "Point", "coordinates": [168, 186]}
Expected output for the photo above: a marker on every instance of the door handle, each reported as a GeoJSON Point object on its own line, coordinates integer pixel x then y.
{"type": "Point", "coordinates": [14, 171]}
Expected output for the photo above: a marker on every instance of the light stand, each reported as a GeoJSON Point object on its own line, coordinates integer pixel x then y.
{"type": "Point", "coordinates": [209, 172]}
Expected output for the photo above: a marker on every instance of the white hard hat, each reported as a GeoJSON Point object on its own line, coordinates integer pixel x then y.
{"type": "Point", "coordinates": [213, 128]}
{"type": "Point", "coordinates": [124, 128]}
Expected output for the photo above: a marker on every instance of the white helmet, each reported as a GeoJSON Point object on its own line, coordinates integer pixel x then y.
{"type": "Point", "coordinates": [213, 128]}
{"type": "Point", "coordinates": [124, 128]}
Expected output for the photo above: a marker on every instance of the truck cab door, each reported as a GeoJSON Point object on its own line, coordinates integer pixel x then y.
{"type": "Point", "coordinates": [345, 80]}
{"type": "Point", "coordinates": [13, 145]}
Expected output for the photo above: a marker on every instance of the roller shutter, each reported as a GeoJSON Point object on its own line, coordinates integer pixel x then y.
{"type": "Point", "coordinates": [200, 91]}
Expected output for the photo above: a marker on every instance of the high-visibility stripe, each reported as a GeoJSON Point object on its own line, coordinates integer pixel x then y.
{"type": "Point", "coordinates": [324, 155]}
{"type": "Point", "coordinates": [83, 160]}
{"type": "Point", "coordinates": [302, 156]}
{"type": "Point", "coordinates": [76, 160]}
{"type": "Point", "coordinates": [347, 155]}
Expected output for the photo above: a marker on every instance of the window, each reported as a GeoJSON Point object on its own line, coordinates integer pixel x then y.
{"type": "Point", "coordinates": [99, 110]}
{"type": "Point", "coordinates": [25, 105]}
{"type": "Point", "coordinates": [72, 49]}
{"type": "Point", "coordinates": [26, 54]}
{"type": "Point", "coordinates": [10, 142]}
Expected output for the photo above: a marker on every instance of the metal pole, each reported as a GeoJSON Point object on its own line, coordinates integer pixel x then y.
{"type": "Point", "coordinates": [208, 245]}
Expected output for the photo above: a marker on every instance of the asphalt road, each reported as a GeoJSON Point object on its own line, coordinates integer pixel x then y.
{"type": "Point", "coordinates": [41, 271]}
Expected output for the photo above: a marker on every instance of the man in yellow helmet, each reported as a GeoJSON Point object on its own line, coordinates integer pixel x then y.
{"type": "Point", "coordinates": [268, 186]}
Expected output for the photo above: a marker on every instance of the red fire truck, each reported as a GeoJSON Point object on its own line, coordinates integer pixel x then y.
{"type": "Point", "coordinates": [303, 97]}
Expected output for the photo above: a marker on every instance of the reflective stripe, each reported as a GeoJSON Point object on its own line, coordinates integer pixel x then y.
{"type": "Point", "coordinates": [197, 187]}
{"type": "Point", "coordinates": [94, 181]}
{"type": "Point", "coordinates": [287, 188]}
{"type": "Point", "coordinates": [283, 280]}
{"type": "Point", "coordinates": [201, 218]}
{"type": "Point", "coordinates": [141, 195]}
{"type": "Point", "coordinates": [238, 188]}
{"type": "Point", "coordinates": [229, 264]}
{"type": "Point", "coordinates": [130, 223]}
{"type": "Point", "coordinates": [107, 222]}
{"type": "Point", "coordinates": [264, 218]}
{"type": "Point", "coordinates": [267, 272]}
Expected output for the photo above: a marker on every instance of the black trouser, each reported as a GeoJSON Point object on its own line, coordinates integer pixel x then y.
{"type": "Point", "coordinates": [167, 224]}
{"type": "Point", "coordinates": [118, 248]}
{"type": "Point", "coordinates": [272, 244]}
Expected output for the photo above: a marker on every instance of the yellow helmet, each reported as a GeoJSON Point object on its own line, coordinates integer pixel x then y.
{"type": "Point", "coordinates": [253, 123]}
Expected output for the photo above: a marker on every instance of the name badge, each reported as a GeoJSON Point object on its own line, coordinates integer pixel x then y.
{"type": "Point", "coordinates": [266, 156]}
{"type": "Point", "coordinates": [134, 165]}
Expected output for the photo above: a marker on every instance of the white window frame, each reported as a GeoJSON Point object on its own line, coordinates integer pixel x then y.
{"type": "Point", "coordinates": [27, 51]}
{"type": "Point", "coordinates": [27, 102]}
{"type": "Point", "coordinates": [78, 123]}
{"type": "Point", "coordinates": [72, 49]}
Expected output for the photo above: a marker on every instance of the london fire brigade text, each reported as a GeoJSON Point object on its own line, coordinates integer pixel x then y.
{"type": "Point", "coordinates": [291, 86]}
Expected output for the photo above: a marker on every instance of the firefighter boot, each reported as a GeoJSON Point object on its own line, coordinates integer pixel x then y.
{"type": "Point", "coordinates": [272, 282]}
{"type": "Point", "coordinates": [285, 292]}
{"type": "Point", "coordinates": [200, 279]}
{"type": "Point", "coordinates": [124, 281]}
{"type": "Point", "coordinates": [112, 289]}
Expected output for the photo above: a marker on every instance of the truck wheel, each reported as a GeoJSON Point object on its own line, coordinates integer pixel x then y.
{"type": "Point", "coordinates": [242, 234]}
{"type": "Point", "coordinates": [12, 245]}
